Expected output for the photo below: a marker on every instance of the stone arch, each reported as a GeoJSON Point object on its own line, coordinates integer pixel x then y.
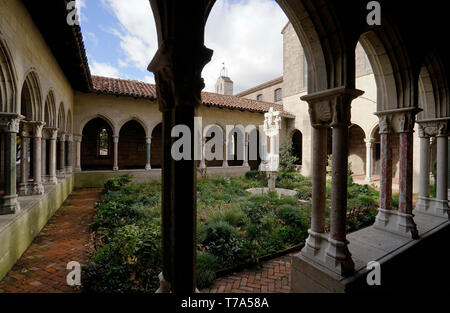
{"type": "Point", "coordinates": [297, 146]}
{"type": "Point", "coordinates": [50, 110]}
{"type": "Point", "coordinates": [214, 128]}
{"type": "Point", "coordinates": [31, 99]}
{"type": "Point", "coordinates": [156, 152]}
{"type": "Point", "coordinates": [236, 135]}
{"type": "Point", "coordinates": [104, 117]}
{"type": "Point", "coordinates": [357, 149]}
{"type": "Point", "coordinates": [433, 88]}
{"type": "Point", "coordinates": [61, 118]}
{"type": "Point", "coordinates": [69, 128]}
{"type": "Point", "coordinates": [96, 149]}
{"type": "Point", "coordinates": [136, 119]}
{"type": "Point", "coordinates": [8, 80]}
{"type": "Point", "coordinates": [132, 145]}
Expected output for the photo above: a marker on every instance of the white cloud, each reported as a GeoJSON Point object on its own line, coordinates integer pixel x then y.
{"type": "Point", "coordinates": [104, 69]}
{"type": "Point", "coordinates": [246, 35]}
{"type": "Point", "coordinates": [136, 31]}
{"type": "Point", "coordinates": [149, 79]}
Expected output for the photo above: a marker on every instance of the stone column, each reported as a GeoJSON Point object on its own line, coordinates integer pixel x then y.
{"type": "Point", "coordinates": [177, 66]}
{"type": "Point", "coordinates": [424, 191]}
{"type": "Point", "coordinates": [44, 157]}
{"type": "Point", "coordinates": [203, 160]}
{"type": "Point", "coordinates": [62, 155]}
{"type": "Point", "coordinates": [148, 156]}
{"type": "Point", "coordinates": [68, 164]}
{"type": "Point", "coordinates": [9, 126]}
{"type": "Point", "coordinates": [53, 136]}
{"type": "Point", "coordinates": [330, 108]}
{"type": "Point", "coordinates": [116, 153]}
{"type": "Point", "coordinates": [245, 149]}
{"type": "Point", "coordinates": [24, 162]}
{"type": "Point", "coordinates": [400, 121]}
{"type": "Point", "coordinates": [442, 170]}
{"type": "Point", "coordinates": [225, 158]}
{"type": "Point", "coordinates": [369, 158]}
{"type": "Point", "coordinates": [77, 139]}
{"type": "Point", "coordinates": [38, 188]}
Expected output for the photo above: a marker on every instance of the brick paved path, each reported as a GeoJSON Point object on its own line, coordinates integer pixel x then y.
{"type": "Point", "coordinates": [274, 276]}
{"type": "Point", "coordinates": [42, 268]}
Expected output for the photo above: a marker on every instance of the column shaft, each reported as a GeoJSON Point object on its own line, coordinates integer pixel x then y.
{"type": "Point", "coordinates": [386, 171]}
{"type": "Point", "coordinates": [116, 153]}
{"type": "Point", "coordinates": [38, 189]}
{"type": "Point", "coordinates": [9, 203]}
{"type": "Point", "coordinates": [339, 186]}
{"type": "Point", "coordinates": [369, 159]}
{"type": "Point", "coordinates": [44, 160]}
{"type": "Point", "coordinates": [442, 168]}
{"type": "Point", "coordinates": [147, 157]}
{"type": "Point", "coordinates": [62, 155]}
{"type": "Point", "coordinates": [319, 162]}
{"type": "Point", "coordinates": [424, 167]}
{"type": "Point", "coordinates": [52, 161]}
{"type": "Point", "coordinates": [23, 191]}
{"type": "Point", "coordinates": [78, 156]}
{"type": "Point", "coordinates": [406, 172]}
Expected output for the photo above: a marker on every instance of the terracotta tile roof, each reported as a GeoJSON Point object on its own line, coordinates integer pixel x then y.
{"type": "Point", "coordinates": [138, 89]}
{"type": "Point", "coordinates": [259, 87]}
{"type": "Point", "coordinates": [122, 87]}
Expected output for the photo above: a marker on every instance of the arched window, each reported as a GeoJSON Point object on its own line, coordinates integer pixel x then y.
{"type": "Point", "coordinates": [103, 143]}
{"type": "Point", "coordinates": [277, 96]}
{"type": "Point", "coordinates": [259, 97]}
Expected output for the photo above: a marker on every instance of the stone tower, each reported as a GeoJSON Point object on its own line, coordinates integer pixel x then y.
{"type": "Point", "coordinates": [224, 85]}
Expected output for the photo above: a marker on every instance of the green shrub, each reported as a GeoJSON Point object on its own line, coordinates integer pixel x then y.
{"type": "Point", "coordinates": [257, 175]}
{"type": "Point", "coordinates": [207, 266]}
{"type": "Point", "coordinates": [117, 182]}
{"type": "Point", "coordinates": [221, 240]}
{"type": "Point", "coordinates": [291, 215]}
{"type": "Point", "coordinates": [287, 159]}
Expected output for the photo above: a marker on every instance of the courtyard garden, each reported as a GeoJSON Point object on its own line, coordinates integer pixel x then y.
{"type": "Point", "coordinates": [234, 227]}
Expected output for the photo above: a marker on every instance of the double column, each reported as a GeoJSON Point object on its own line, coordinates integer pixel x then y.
{"type": "Point", "coordinates": [400, 121]}
{"type": "Point", "coordinates": [68, 157]}
{"type": "Point", "coordinates": [38, 187]}
{"type": "Point", "coordinates": [62, 155]}
{"type": "Point", "coordinates": [9, 126]}
{"type": "Point", "coordinates": [52, 137]}
{"type": "Point", "coordinates": [148, 141]}
{"type": "Point", "coordinates": [369, 158]}
{"type": "Point", "coordinates": [434, 128]}
{"type": "Point", "coordinates": [116, 153]}
{"type": "Point", "coordinates": [330, 108]}
{"type": "Point", "coordinates": [77, 139]}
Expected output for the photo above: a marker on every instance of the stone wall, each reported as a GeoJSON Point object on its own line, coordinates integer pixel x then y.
{"type": "Point", "coordinates": [268, 93]}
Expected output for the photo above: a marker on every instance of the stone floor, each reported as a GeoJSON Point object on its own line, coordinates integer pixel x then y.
{"type": "Point", "coordinates": [42, 268]}
{"type": "Point", "coordinates": [273, 277]}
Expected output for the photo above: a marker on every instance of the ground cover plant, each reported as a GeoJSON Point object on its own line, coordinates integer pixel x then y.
{"type": "Point", "coordinates": [233, 227]}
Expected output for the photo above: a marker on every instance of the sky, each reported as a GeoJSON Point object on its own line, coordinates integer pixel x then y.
{"type": "Point", "coordinates": [120, 39]}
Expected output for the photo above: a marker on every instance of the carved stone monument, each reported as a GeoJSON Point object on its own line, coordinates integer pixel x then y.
{"type": "Point", "coordinates": [271, 127]}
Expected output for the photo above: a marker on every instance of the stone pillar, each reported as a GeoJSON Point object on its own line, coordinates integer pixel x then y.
{"type": "Point", "coordinates": [148, 156]}
{"type": "Point", "coordinates": [203, 160]}
{"type": "Point", "coordinates": [44, 158]}
{"type": "Point", "coordinates": [177, 66]}
{"type": "Point", "coordinates": [24, 162]}
{"type": "Point", "coordinates": [442, 170]}
{"type": "Point", "coordinates": [53, 136]}
{"type": "Point", "coordinates": [62, 155]}
{"type": "Point", "coordinates": [116, 153]}
{"type": "Point", "coordinates": [38, 187]}
{"type": "Point", "coordinates": [424, 191]}
{"type": "Point", "coordinates": [369, 158]}
{"type": "Point", "coordinates": [77, 139]}
{"type": "Point", "coordinates": [330, 108]}
{"type": "Point", "coordinates": [68, 164]}
{"type": "Point", "coordinates": [245, 149]}
{"type": "Point", "coordinates": [9, 126]}
{"type": "Point", "coordinates": [402, 221]}
{"type": "Point", "coordinates": [225, 158]}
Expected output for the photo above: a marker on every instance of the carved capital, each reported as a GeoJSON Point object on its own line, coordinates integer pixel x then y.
{"type": "Point", "coordinates": [397, 120]}
{"type": "Point", "coordinates": [38, 127]}
{"type": "Point", "coordinates": [176, 83]}
{"type": "Point", "coordinates": [62, 136]}
{"type": "Point", "coordinates": [331, 108]}
{"type": "Point", "coordinates": [148, 140]}
{"type": "Point", "coordinates": [10, 123]}
{"type": "Point", "coordinates": [77, 138]}
{"type": "Point", "coordinates": [442, 129]}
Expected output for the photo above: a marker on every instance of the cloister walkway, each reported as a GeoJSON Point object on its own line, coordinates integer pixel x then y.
{"type": "Point", "coordinates": [42, 268]}
{"type": "Point", "coordinates": [66, 237]}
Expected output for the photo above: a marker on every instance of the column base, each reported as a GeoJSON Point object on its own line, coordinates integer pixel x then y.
{"type": "Point", "coordinates": [52, 180]}
{"type": "Point", "coordinates": [369, 179]}
{"type": "Point", "coordinates": [115, 168]}
{"type": "Point", "coordinates": [148, 167]}
{"type": "Point", "coordinates": [331, 254]}
{"type": "Point", "coordinates": [164, 285]}
{"type": "Point", "coordinates": [9, 205]}
{"type": "Point", "coordinates": [24, 190]}
{"type": "Point", "coordinates": [38, 189]}
{"type": "Point", "coordinates": [433, 207]}
{"type": "Point", "coordinates": [77, 169]}
{"type": "Point", "coordinates": [396, 222]}
{"type": "Point", "coordinates": [68, 169]}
